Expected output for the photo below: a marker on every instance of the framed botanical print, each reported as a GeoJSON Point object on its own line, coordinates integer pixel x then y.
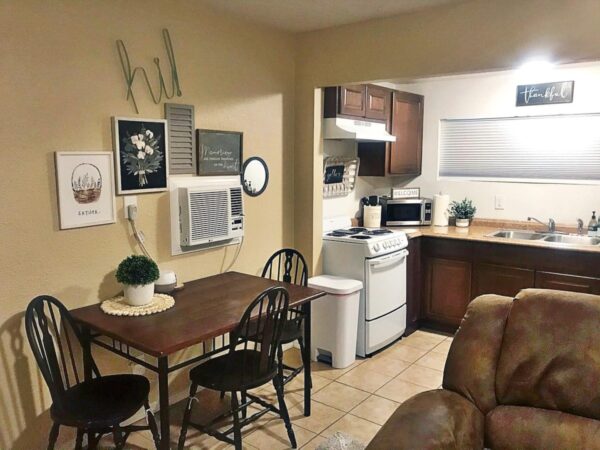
{"type": "Point", "coordinates": [141, 162]}
{"type": "Point", "coordinates": [85, 187]}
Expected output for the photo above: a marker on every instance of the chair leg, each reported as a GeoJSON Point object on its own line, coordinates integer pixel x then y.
{"type": "Point", "coordinates": [118, 437]}
{"type": "Point", "coordinates": [305, 360]}
{"type": "Point", "coordinates": [187, 415]}
{"type": "Point", "coordinates": [237, 431]}
{"type": "Point", "coordinates": [152, 424]}
{"type": "Point", "coordinates": [93, 440]}
{"type": "Point", "coordinates": [79, 439]}
{"type": "Point", "coordinates": [244, 400]}
{"type": "Point", "coordinates": [53, 436]}
{"type": "Point", "coordinates": [278, 383]}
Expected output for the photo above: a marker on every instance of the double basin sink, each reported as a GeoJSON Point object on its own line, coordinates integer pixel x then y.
{"type": "Point", "coordinates": [566, 239]}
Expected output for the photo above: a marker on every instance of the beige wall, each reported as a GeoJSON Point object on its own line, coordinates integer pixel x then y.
{"type": "Point", "coordinates": [472, 36]}
{"type": "Point", "coordinates": [60, 83]}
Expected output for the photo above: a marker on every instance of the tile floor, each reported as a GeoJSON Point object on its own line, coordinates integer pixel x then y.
{"type": "Point", "coordinates": [356, 400]}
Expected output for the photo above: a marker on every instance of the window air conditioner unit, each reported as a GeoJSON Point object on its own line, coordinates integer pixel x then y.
{"type": "Point", "coordinates": [210, 214]}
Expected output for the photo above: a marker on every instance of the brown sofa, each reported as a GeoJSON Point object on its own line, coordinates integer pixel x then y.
{"type": "Point", "coordinates": [520, 374]}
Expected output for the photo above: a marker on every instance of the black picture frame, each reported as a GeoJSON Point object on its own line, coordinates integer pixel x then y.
{"type": "Point", "coordinates": [219, 152]}
{"type": "Point", "coordinates": [247, 188]}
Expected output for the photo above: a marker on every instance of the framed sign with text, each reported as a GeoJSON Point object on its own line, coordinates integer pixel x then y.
{"type": "Point", "coordinates": [219, 152]}
{"type": "Point", "coordinates": [545, 93]}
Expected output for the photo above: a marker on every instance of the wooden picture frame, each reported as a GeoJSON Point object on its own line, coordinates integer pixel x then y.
{"type": "Point", "coordinates": [85, 189]}
{"type": "Point", "coordinates": [219, 152]}
{"type": "Point", "coordinates": [141, 155]}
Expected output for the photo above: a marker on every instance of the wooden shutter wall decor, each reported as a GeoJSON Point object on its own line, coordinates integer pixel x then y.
{"type": "Point", "coordinates": [182, 145]}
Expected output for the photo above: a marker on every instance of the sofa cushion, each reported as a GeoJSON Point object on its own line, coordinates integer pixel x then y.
{"type": "Point", "coordinates": [432, 420]}
{"type": "Point", "coordinates": [550, 355]}
{"type": "Point", "coordinates": [525, 428]}
{"type": "Point", "coordinates": [471, 365]}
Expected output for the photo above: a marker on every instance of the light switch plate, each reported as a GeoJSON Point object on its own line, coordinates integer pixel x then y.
{"type": "Point", "coordinates": [499, 202]}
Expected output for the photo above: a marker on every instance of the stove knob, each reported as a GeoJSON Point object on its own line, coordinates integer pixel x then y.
{"type": "Point", "coordinates": [376, 247]}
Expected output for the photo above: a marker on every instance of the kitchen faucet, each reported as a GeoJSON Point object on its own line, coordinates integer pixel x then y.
{"type": "Point", "coordinates": [551, 224]}
{"type": "Point", "coordinates": [579, 226]}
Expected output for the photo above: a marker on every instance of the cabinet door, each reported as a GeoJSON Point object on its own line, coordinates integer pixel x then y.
{"type": "Point", "coordinates": [379, 100]}
{"type": "Point", "coordinates": [447, 289]}
{"type": "Point", "coordinates": [501, 280]}
{"type": "Point", "coordinates": [353, 100]}
{"type": "Point", "coordinates": [407, 126]}
{"type": "Point", "coordinates": [565, 282]}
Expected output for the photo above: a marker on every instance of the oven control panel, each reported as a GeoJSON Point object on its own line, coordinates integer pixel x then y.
{"type": "Point", "coordinates": [392, 244]}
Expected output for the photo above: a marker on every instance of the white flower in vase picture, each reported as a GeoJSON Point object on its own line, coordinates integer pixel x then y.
{"type": "Point", "coordinates": [142, 155]}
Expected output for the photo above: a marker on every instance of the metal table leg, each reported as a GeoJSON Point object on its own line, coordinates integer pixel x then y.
{"type": "Point", "coordinates": [87, 352]}
{"type": "Point", "coordinates": [163, 395]}
{"type": "Point", "coordinates": [307, 377]}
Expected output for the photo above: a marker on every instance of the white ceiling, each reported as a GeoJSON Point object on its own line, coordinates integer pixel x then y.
{"type": "Point", "coordinates": [307, 15]}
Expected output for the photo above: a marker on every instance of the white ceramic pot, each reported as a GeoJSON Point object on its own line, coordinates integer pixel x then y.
{"type": "Point", "coordinates": [463, 223]}
{"type": "Point", "coordinates": [138, 295]}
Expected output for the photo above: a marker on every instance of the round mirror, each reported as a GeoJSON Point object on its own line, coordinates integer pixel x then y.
{"type": "Point", "coordinates": [255, 176]}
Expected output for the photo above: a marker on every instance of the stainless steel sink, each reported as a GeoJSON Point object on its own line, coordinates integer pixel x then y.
{"type": "Point", "coordinates": [566, 239]}
{"type": "Point", "coordinates": [573, 240]}
{"type": "Point", "coordinates": [517, 234]}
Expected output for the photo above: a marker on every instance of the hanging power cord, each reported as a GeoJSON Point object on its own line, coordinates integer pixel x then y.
{"type": "Point", "coordinates": [139, 235]}
{"type": "Point", "coordinates": [237, 253]}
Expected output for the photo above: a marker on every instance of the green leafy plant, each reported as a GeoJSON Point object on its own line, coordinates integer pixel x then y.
{"type": "Point", "coordinates": [137, 270]}
{"type": "Point", "coordinates": [463, 209]}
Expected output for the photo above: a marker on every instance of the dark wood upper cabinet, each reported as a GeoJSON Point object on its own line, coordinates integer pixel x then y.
{"type": "Point", "coordinates": [407, 126]}
{"type": "Point", "coordinates": [378, 101]}
{"type": "Point", "coordinates": [352, 100]}
{"type": "Point", "coordinates": [565, 282]}
{"type": "Point", "coordinates": [501, 280]}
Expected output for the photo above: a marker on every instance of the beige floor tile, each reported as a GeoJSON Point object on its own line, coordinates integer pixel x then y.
{"type": "Point", "coordinates": [423, 376]}
{"type": "Point", "coordinates": [358, 428]}
{"type": "Point", "coordinates": [296, 385]}
{"type": "Point", "coordinates": [376, 409]}
{"type": "Point", "coordinates": [364, 379]}
{"type": "Point", "coordinates": [340, 396]}
{"type": "Point", "coordinates": [321, 416]}
{"type": "Point", "coordinates": [273, 436]}
{"type": "Point", "coordinates": [421, 341]}
{"type": "Point", "coordinates": [432, 360]}
{"type": "Point", "coordinates": [431, 335]}
{"type": "Point", "coordinates": [443, 347]}
{"type": "Point", "coordinates": [399, 390]}
{"type": "Point", "coordinates": [385, 365]}
{"type": "Point", "coordinates": [325, 370]}
{"type": "Point", "coordinates": [403, 353]}
{"type": "Point", "coordinates": [292, 357]}
{"type": "Point", "coordinates": [314, 443]}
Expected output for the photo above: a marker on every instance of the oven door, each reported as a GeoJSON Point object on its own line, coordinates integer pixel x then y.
{"type": "Point", "coordinates": [385, 287]}
{"type": "Point", "coordinates": [405, 213]}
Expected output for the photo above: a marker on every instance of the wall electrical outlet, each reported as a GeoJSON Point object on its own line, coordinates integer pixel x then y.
{"type": "Point", "coordinates": [499, 202]}
{"type": "Point", "coordinates": [128, 200]}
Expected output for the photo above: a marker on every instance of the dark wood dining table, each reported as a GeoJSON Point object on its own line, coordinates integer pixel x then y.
{"type": "Point", "coordinates": [205, 311]}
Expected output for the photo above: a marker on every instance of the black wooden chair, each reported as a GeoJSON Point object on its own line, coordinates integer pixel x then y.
{"type": "Point", "coordinates": [288, 265]}
{"type": "Point", "coordinates": [247, 364]}
{"type": "Point", "coordinates": [95, 406]}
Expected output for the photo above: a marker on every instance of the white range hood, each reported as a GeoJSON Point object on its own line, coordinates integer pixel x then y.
{"type": "Point", "coordinates": [357, 130]}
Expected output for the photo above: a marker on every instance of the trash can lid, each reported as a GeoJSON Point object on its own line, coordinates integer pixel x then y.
{"type": "Point", "coordinates": [335, 285]}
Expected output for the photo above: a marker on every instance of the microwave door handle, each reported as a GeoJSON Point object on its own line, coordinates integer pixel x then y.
{"type": "Point", "coordinates": [389, 260]}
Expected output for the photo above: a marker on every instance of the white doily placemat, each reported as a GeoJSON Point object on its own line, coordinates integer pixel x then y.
{"type": "Point", "coordinates": [116, 306]}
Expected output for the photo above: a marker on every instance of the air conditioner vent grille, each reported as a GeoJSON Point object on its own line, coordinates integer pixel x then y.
{"type": "Point", "coordinates": [236, 201]}
{"type": "Point", "coordinates": [209, 214]}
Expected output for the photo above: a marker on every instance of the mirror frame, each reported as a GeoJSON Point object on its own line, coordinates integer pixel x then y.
{"type": "Point", "coordinates": [264, 164]}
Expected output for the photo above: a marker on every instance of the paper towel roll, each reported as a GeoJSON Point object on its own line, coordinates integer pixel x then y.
{"type": "Point", "coordinates": [440, 210]}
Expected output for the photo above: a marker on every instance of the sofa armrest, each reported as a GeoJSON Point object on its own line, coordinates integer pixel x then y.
{"type": "Point", "coordinates": [438, 419]}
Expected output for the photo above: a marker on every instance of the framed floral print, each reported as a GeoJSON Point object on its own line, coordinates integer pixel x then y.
{"type": "Point", "coordinates": [85, 188]}
{"type": "Point", "coordinates": [141, 162]}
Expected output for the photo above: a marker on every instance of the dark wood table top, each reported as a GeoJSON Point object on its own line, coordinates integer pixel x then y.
{"type": "Point", "coordinates": [204, 308]}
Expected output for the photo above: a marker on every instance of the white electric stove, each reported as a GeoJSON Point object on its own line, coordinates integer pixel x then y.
{"type": "Point", "coordinates": [377, 257]}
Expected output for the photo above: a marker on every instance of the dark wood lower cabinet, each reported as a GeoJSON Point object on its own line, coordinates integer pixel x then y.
{"type": "Point", "coordinates": [564, 282]}
{"type": "Point", "coordinates": [501, 280]}
{"type": "Point", "coordinates": [413, 286]}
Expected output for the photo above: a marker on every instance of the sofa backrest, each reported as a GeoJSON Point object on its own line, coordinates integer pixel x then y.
{"type": "Point", "coordinates": [550, 354]}
{"type": "Point", "coordinates": [473, 357]}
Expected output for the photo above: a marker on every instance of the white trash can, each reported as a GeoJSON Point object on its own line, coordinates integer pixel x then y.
{"type": "Point", "coordinates": [334, 320]}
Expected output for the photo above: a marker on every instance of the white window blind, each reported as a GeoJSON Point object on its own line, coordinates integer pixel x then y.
{"type": "Point", "coordinates": [533, 148]}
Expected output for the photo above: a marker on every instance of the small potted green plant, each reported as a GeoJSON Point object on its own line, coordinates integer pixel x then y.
{"type": "Point", "coordinates": [463, 212]}
{"type": "Point", "coordinates": [138, 273]}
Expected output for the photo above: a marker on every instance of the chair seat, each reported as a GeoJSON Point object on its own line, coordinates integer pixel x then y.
{"type": "Point", "coordinates": [292, 330]}
{"type": "Point", "coordinates": [232, 373]}
{"type": "Point", "coordinates": [103, 401]}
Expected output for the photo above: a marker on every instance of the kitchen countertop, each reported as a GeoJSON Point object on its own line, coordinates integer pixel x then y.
{"type": "Point", "coordinates": [479, 233]}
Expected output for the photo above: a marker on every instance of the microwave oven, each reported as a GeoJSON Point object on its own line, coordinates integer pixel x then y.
{"type": "Point", "coordinates": [405, 211]}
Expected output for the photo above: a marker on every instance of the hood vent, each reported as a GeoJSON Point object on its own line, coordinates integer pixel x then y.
{"type": "Point", "coordinates": [357, 130]}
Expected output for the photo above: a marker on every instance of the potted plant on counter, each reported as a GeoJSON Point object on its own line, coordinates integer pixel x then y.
{"type": "Point", "coordinates": [463, 212]}
{"type": "Point", "coordinates": [137, 273]}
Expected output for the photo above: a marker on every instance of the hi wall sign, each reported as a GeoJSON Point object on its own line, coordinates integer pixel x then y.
{"type": "Point", "coordinates": [545, 93]}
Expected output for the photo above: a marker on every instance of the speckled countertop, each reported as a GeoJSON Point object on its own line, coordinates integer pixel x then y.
{"type": "Point", "coordinates": [481, 233]}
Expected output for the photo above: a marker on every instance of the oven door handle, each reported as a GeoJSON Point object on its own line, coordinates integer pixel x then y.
{"type": "Point", "coordinates": [388, 260]}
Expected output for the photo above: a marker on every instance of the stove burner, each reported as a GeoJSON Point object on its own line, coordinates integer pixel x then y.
{"type": "Point", "coordinates": [337, 234]}
{"type": "Point", "coordinates": [378, 231]}
{"type": "Point", "coordinates": [360, 236]}
{"type": "Point", "coordinates": [355, 230]}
